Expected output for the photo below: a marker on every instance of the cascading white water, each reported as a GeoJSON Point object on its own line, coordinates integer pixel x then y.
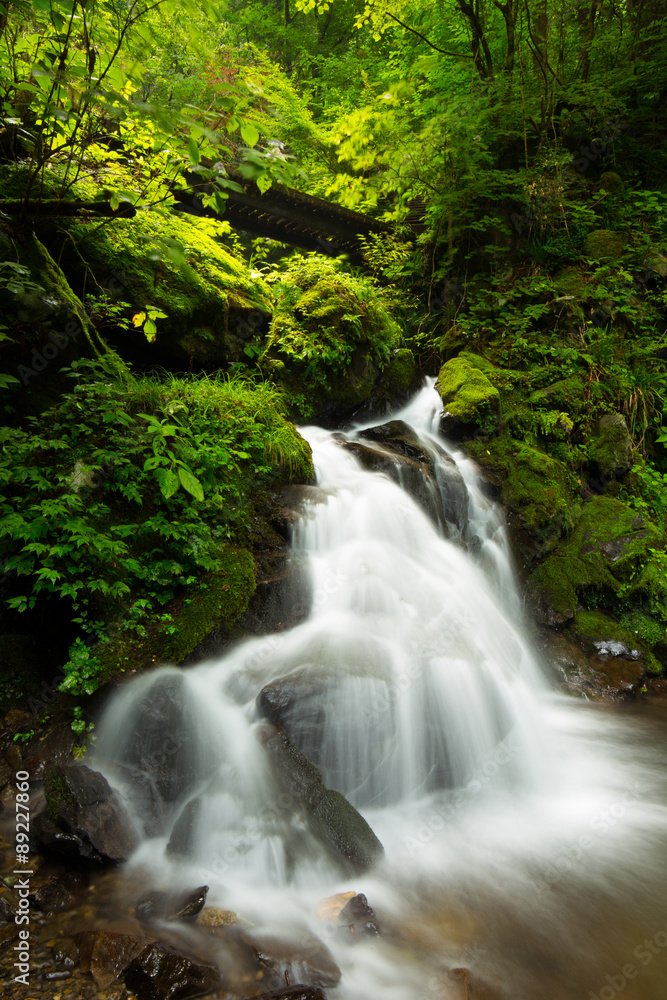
{"type": "Point", "coordinates": [416, 695]}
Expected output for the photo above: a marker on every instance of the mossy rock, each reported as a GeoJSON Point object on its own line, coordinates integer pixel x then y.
{"type": "Point", "coordinates": [566, 394]}
{"type": "Point", "coordinates": [612, 182]}
{"type": "Point", "coordinates": [537, 490]}
{"type": "Point", "coordinates": [398, 377]}
{"type": "Point", "coordinates": [331, 336]}
{"type": "Point", "coordinates": [214, 306]}
{"type": "Point", "coordinates": [608, 546]}
{"type": "Point", "coordinates": [218, 598]}
{"type": "Point", "coordinates": [46, 324]}
{"type": "Point", "coordinates": [605, 245]}
{"type": "Point", "coordinates": [596, 631]}
{"type": "Point", "coordinates": [570, 281]}
{"type": "Point", "coordinates": [471, 402]}
{"type": "Point", "coordinates": [610, 449]}
{"type": "Point", "coordinates": [337, 824]}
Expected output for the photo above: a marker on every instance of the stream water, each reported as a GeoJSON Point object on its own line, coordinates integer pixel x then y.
{"type": "Point", "coordinates": [525, 832]}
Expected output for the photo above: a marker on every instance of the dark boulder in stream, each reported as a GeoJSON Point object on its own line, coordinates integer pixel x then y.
{"type": "Point", "coordinates": [335, 822]}
{"type": "Point", "coordinates": [85, 818]}
{"type": "Point", "coordinates": [161, 973]}
{"type": "Point", "coordinates": [436, 485]}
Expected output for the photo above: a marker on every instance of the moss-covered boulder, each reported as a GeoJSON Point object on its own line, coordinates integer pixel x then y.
{"type": "Point", "coordinates": [214, 306]}
{"type": "Point", "coordinates": [397, 381]}
{"type": "Point", "coordinates": [610, 450]}
{"type": "Point", "coordinates": [331, 338]}
{"type": "Point", "coordinates": [607, 548]}
{"type": "Point", "coordinates": [611, 182]}
{"type": "Point", "coordinates": [334, 820]}
{"type": "Point", "coordinates": [538, 492]}
{"type": "Point", "coordinates": [471, 401]}
{"type": "Point", "coordinates": [605, 245]}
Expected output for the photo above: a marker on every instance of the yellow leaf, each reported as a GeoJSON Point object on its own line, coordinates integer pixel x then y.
{"type": "Point", "coordinates": [139, 319]}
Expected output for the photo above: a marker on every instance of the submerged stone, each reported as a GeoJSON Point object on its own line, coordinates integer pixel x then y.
{"type": "Point", "coordinates": [282, 959]}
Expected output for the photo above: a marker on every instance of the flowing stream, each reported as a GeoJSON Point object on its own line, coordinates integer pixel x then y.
{"type": "Point", "coordinates": [524, 834]}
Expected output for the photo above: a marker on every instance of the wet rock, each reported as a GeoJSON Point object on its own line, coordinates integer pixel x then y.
{"type": "Point", "coordinates": [213, 916]}
{"type": "Point", "coordinates": [570, 665]}
{"type": "Point", "coordinates": [161, 973]}
{"type": "Point", "coordinates": [182, 837]}
{"type": "Point", "coordinates": [82, 805]}
{"type": "Point", "coordinates": [161, 746]}
{"type": "Point", "coordinates": [66, 954]}
{"type": "Point", "coordinates": [415, 477]}
{"type": "Point", "coordinates": [52, 891]}
{"type": "Point", "coordinates": [358, 917]}
{"type": "Point", "coordinates": [169, 906]}
{"type": "Point", "coordinates": [17, 719]}
{"type": "Point", "coordinates": [336, 822]}
{"type": "Point", "coordinates": [399, 437]}
{"type": "Point", "coordinates": [140, 792]}
{"type": "Point", "coordinates": [290, 503]}
{"type": "Point", "coordinates": [307, 961]}
{"type": "Point", "coordinates": [610, 451]}
{"type": "Point", "coordinates": [106, 954]}
{"type": "Point", "coordinates": [58, 976]}
{"type": "Point", "coordinates": [295, 703]}
{"type": "Point", "coordinates": [9, 905]}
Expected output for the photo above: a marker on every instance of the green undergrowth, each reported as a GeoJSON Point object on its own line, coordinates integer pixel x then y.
{"type": "Point", "coordinates": [129, 492]}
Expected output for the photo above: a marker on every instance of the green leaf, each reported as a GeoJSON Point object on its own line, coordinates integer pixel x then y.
{"type": "Point", "coordinates": [167, 481]}
{"type": "Point", "coordinates": [190, 483]}
{"type": "Point", "coordinates": [193, 150]}
{"type": "Point", "coordinates": [249, 134]}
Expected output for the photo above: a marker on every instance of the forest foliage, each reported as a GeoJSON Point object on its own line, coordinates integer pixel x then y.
{"type": "Point", "coordinates": [518, 148]}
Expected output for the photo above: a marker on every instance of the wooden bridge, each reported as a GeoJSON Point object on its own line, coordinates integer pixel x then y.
{"type": "Point", "coordinates": [281, 213]}
{"type": "Point", "coordinates": [290, 216]}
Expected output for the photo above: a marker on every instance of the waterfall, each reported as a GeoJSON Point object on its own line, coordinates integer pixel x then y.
{"type": "Point", "coordinates": [412, 688]}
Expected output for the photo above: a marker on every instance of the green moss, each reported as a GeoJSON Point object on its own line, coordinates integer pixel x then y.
{"type": "Point", "coordinates": [592, 627]}
{"type": "Point", "coordinates": [606, 551]}
{"type": "Point", "coordinates": [610, 446]}
{"type": "Point", "coordinates": [536, 488]}
{"type": "Point", "coordinates": [218, 598]}
{"type": "Point", "coordinates": [467, 393]}
{"type": "Point", "coordinates": [570, 281]}
{"type": "Point", "coordinates": [647, 628]}
{"type": "Point", "coordinates": [59, 799]}
{"type": "Point", "coordinates": [477, 361]}
{"type": "Point", "coordinates": [398, 376]}
{"type": "Point", "coordinates": [612, 183]}
{"type": "Point", "coordinates": [604, 245]}
{"type": "Point", "coordinates": [331, 335]}
{"type": "Point", "coordinates": [566, 394]}
{"type": "Point", "coordinates": [214, 305]}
